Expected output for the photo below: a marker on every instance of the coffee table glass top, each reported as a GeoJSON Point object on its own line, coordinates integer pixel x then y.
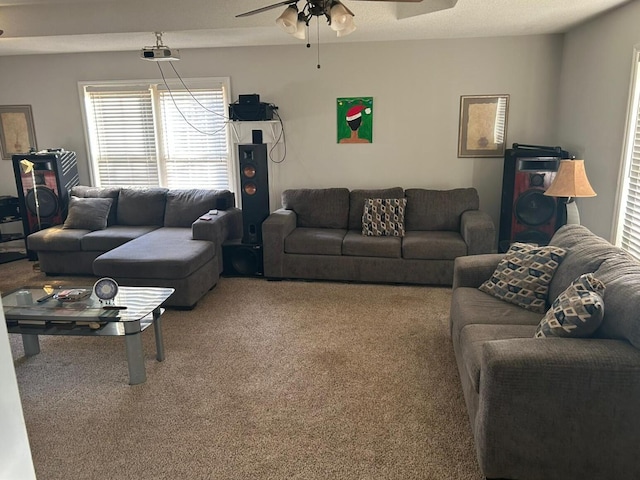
{"type": "Point", "coordinates": [40, 304]}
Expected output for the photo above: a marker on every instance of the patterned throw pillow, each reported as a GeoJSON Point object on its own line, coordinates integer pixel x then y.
{"type": "Point", "coordinates": [523, 275]}
{"type": "Point", "coordinates": [384, 217]}
{"type": "Point", "coordinates": [577, 312]}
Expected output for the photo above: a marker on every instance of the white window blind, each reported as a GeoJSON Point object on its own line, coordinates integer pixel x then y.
{"type": "Point", "coordinates": [144, 136]}
{"type": "Point", "coordinates": [627, 227]}
{"type": "Point", "coordinates": [122, 137]}
{"type": "Point", "coordinates": [195, 153]}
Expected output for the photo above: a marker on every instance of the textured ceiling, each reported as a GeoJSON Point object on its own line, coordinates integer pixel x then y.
{"type": "Point", "coordinates": [58, 26]}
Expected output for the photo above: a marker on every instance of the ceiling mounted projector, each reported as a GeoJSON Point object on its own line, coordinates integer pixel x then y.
{"type": "Point", "coordinates": [159, 52]}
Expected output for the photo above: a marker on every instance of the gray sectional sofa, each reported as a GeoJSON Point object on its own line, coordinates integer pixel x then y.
{"type": "Point", "coordinates": [143, 237]}
{"type": "Point", "coordinates": [317, 234]}
{"type": "Point", "coordinates": [552, 408]}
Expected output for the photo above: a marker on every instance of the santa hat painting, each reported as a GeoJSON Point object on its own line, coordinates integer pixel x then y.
{"type": "Point", "coordinates": [355, 120]}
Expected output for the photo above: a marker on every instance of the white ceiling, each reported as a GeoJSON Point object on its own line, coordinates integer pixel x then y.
{"type": "Point", "coordinates": [59, 26]}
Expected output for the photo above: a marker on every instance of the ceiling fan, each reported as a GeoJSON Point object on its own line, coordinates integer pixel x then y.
{"type": "Point", "coordinates": [295, 21]}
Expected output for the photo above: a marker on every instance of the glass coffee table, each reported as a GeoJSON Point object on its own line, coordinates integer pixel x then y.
{"type": "Point", "coordinates": [34, 311]}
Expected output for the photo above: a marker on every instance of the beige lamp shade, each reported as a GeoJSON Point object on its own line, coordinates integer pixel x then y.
{"type": "Point", "coordinates": [571, 181]}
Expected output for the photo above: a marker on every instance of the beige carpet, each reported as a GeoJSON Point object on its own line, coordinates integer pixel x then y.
{"type": "Point", "coordinates": [262, 380]}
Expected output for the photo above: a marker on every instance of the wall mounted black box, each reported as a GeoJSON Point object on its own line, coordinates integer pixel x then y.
{"type": "Point", "coordinates": [257, 112]}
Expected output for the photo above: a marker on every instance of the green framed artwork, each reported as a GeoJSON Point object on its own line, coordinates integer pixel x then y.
{"type": "Point", "coordinates": [355, 119]}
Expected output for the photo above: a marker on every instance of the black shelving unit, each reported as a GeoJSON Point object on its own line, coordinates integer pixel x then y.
{"type": "Point", "coordinates": [6, 257]}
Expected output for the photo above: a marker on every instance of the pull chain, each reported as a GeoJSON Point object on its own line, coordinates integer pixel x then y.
{"type": "Point", "coordinates": [318, 36]}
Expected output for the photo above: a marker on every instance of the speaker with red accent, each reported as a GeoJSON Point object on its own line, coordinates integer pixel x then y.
{"type": "Point", "coordinates": [43, 181]}
{"type": "Point", "coordinates": [526, 214]}
{"type": "Point", "coordinates": [254, 190]}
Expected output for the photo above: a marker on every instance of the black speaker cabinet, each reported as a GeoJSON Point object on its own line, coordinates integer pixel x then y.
{"type": "Point", "coordinates": [526, 214]}
{"type": "Point", "coordinates": [254, 188]}
{"type": "Point", "coordinates": [242, 260]}
{"type": "Point", "coordinates": [43, 191]}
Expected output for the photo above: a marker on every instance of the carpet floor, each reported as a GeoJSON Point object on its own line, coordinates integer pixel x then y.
{"type": "Point", "coordinates": [262, 380]}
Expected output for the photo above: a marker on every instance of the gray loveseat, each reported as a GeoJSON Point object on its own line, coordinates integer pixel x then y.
{"type": "Point", "coordinates": [552, 408]}
{"type": "Point", "coordinates": [143, 237]}
{"type": "Point", "coordinates": [318, 235]}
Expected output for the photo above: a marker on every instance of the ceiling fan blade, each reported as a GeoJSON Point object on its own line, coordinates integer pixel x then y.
{"type": "Point", "coordinates": [268, 7]}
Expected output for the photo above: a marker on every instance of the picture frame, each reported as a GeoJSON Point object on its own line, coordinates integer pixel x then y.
{"type": "Point", "coordinates": [17, 133]}
{"type": "Point", "coordinates": [483, 125]}
{"type": "Point", "coordinates": [354, 120]}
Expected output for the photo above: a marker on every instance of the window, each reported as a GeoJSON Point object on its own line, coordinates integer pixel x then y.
{"type": "Point", "coordinates": [148, 134]}
{"type": "Point", "coordinates": [627, 228]}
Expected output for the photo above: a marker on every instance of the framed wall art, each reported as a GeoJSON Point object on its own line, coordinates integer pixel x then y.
{"type": "Point", "coordinates": [483, 125]}
{"type": "Point", "coordinates": [355, 119]}
{"type": "Point", "coordinates": [17, 134]}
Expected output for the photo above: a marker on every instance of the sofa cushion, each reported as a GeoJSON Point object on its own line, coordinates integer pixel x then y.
{"type": "Point", "coordinates": [88, 213]}
{"type": "Point", "coordinates": [112, 237]}
{"type": "Point", "coordinates": [141, 206]}
{"type": "Point", "coordinates": [383, 217]}
{"type": "Point", "coordinates": [577, 312]}
{"type": "Point", "coordinates": [359, 245]}
{"type": "Point", "coordinates": [621, 275]}
{"type": "Point", "coordinates": [585, 252]}
{"type": "Point", "coordinates": [183, 207]}
{"type": "Point", "coordinates": [100, 192]}
{"type": "Point", "coordinates": [438, 209]}
{"type": "Point", "coordinates": [473, 339]}
{"type": "Point", "coordinates": [165, 253]}
{"type": "Point", "coordinates": [357, 198]}
{"type": "Point", "coordinates": [471, 306]}
{"type": "Point", "coordinates": [319, 208]}
{"type": "Point", "coordinates": [57, 239]}
{"type": "Point", "coordinates": [315, 241]}
{"type": "Point", "coordinates": [433, 245]}
{"type": "Point", "coordinates": [522, 277]}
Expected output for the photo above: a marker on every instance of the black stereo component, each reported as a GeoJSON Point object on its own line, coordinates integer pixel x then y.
{"type": "Point", "coordinates": [241, 259]}
{"type": "Point", "coordinates": [251, 112]}
{"type": "Point", "coordinates": [254, 189]}
{"type": "Point", "coordinates": [9, 208]}
{"type": "Point", "coordinates": [526, 213]}
{"type": "Point", "coordinates": [250, 99]}
{"type": "Point", "coordinates": [43, 188]}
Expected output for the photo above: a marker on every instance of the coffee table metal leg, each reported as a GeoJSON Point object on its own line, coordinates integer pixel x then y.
{"type": "Point", "coordinates": [135, 358]}
{"type": "Point", "coordinates": [157, 329]}
{"type": "Point", "coordinates": [31, 345]}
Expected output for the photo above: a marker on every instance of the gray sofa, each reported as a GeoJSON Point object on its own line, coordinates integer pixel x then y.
{"type": "Point", "coordinates": [552, 408]}
{"type": "Point", "coordinates": [318, 235]}
{"type": "Point", "coordinates": [143, 237]}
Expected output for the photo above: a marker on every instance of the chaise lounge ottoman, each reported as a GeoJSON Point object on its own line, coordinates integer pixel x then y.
{"type": "Point", "coordinates": [166, 257]}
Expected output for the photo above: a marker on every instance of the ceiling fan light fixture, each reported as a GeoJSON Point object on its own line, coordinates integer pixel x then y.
{"type": "Point", "coordinates": [288, 21]}
{"type": "Point", "coordinates": [349, 28]}
{"type": "Point", "coordinates": [301, 28]}
{"type": "Point", "coordinates": [340, 17]}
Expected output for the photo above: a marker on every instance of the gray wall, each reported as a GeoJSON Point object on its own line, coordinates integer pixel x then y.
{"type": "Point", "coordinates": [416, 87]}
{"type": "Point", "coordinates": [593, 94]}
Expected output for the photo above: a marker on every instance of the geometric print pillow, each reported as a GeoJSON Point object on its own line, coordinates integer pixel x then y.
{"type": "Point", "coordinates": [523, 275]}
{"type": "Point", "coordinates": [384, 217]}
{"type": "Point", "coordinates": [577, 312]}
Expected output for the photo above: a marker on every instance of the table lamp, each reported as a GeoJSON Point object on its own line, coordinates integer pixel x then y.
{"type": "Point", "coordinates": [571, 181]}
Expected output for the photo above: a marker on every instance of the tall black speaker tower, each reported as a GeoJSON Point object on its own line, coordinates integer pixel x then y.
{"type": "Point", "coordinates": [526, 213]}
{"type": "Point", "coordinates": [254, 187]}
{"type": "Point", "coordinates": [43, 189]}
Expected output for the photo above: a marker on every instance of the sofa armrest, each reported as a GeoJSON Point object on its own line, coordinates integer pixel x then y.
{"type": "Point", "coordinates": [225, 225]}
{"type": "Point", "coordinates": [478, 232]}
{"type": "Point", "coordinates": [473, 270]}
{"type": "Point", "coordinates": [565, 408]}
{"type": "Point", "coordinates": [274, 230]}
